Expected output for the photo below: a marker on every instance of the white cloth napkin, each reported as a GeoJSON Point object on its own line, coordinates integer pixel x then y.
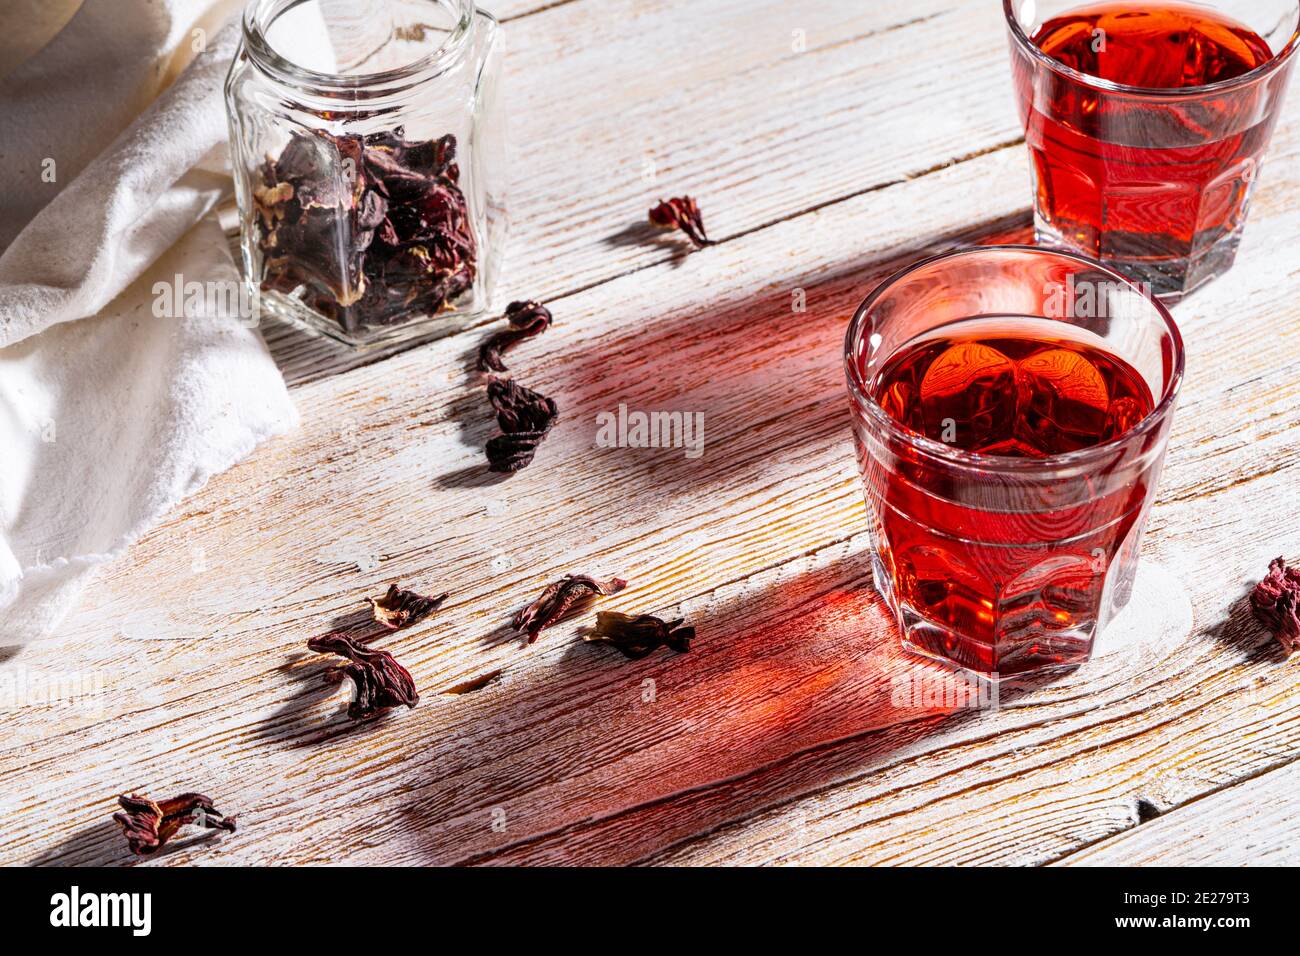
{"type": "Point", "coordinates": [109, 413]}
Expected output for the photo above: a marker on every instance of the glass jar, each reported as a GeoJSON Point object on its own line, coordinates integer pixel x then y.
{"type": "Point", "coordinates": [368, 153]}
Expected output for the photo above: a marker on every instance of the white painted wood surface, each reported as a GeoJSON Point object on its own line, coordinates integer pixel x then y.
{"type": "Point", "coordinates": [778, 738]}
{"type": "Point", "coordinates": [1252, 823]}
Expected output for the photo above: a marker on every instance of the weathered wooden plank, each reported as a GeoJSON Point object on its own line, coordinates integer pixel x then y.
{"type": "Point", "coordinates": [245, 584]}
{"type": "Point", "coordinates": [526, 745]}
{"type": "Point", "coordinates": [508, 10]}
{"type": "Point", "coordinates": [1252, 823]}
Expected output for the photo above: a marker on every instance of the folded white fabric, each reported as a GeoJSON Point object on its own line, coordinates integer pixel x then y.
{"type": "Point", "coordinates": [114, 405]}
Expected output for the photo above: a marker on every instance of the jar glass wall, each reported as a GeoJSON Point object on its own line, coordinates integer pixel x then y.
{"type": "Point", "coordinates": [368, 155]}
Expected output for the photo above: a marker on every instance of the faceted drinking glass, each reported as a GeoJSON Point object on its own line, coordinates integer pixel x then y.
{"type": "Point", "coordinates": [997, 564]}
{"type": "Point", "coordinates": [1155, 183]}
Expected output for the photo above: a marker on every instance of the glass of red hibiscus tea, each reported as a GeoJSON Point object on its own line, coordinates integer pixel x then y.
{"type": "Point", "coordinates": [1011, 408]}
{"type": "Point", "coordinates": [1147, 123]}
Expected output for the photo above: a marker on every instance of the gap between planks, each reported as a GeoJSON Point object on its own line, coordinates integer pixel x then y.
{"type": "Point", "coordinates": [532, 11]}
{"type": "Point", "coordinates": [1179, 814]}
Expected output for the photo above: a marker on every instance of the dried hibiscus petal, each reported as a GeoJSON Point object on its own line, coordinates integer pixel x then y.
{"type": "Point", "coordinates": [512, 452]}
{"type": "Point", "coordinates": [269, 201]}
{"type": "Point", "coordinates": [401, 608]}
{"type": "Point", "coordinates": [148, 825]}
{"type": "Point", "coordinates": [525, 417]}
{"type": "Point", "coordinates": [639, 635]}
{"type": "Point", "coordinates": [559, 597]}
{"type": "Point", "coordinates": [520, 409]}
{"type": "Point", "coordinates": [379, 680]}
{"type": "Point", "coordinates": [1275, 601]}
{"type": "Point", "coordinates": [526, 320]}
{"type": "Point", "coordinates": [681, 213]}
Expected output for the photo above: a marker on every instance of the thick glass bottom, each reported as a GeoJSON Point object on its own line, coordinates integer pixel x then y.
{"type": "Point", "coordinates": [423, 329]}
{"type": "Point", "coordinates": [1169, 278]}
{"type": "Point", "coordinates": [1019, 656]}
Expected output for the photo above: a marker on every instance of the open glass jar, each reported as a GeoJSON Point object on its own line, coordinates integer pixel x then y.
{"type": "Point", "coordinates": [368, 155]}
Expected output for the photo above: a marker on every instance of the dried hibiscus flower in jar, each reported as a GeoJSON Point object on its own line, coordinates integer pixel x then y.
{"type": "Point", "coordinates": [369, 231]}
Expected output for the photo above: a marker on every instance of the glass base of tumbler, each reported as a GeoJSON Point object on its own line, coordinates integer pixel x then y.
{"type": "Point", "coordinates": [1014, 660]}
{"type": "Point", "coordinates": [1016, 657]}
{"type": "Point", "coordinates": [1169, 278]}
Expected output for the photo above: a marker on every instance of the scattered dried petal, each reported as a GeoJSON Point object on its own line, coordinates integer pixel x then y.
{"type": "Point", "coordinates": [148, 825]}
{"type": "Point", "coordinates": [639, 635]}
{"type": "Point", "coordinates": [524, 417]}
{"type": "Point", "coordinates": [1275, 601]}
{"type": "Point", "coordinates": [526, 320]}
{"type": "Point", "coordinates": [520, 409]}
{"type": "Point", "coordinates": [401, 608]}
{"type": "Point", "coordinates": [559, 597]}
{"type": "Point", "coordinates": [512, 452]}
{"type": "Point", "coordinates": [681, 213]}
{"type": "Point", "coordinates": [380, 681]}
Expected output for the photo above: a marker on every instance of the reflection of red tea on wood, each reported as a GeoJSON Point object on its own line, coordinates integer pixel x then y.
{"type": "Point", "coordinates": [1126, 181]}
{"type": "Point", "coordinates": [1016, 567]}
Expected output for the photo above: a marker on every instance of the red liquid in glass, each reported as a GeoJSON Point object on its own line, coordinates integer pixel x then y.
{"type": "Point", "coordinates": [1122, 180]}
{"type": "Point", "coordinates": [995, 572]}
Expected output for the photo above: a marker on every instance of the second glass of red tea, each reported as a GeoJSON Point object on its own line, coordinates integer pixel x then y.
{"type": "Point", "coordinates": [1012, 405]}
{"type": "Point", "coordinates": [1147, 124]}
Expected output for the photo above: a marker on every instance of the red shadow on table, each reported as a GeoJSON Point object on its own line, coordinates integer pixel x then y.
{"type": "Point", "coordinates": [758, 403]}
{"type": "Point", "coordinates": [791, 686]}
{"type": "Point", "coordinates": [794, 684]}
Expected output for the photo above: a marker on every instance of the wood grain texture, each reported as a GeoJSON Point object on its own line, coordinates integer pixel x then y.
{"type": "Point", "coordinates": [1251, 823]}
{"type": "Point", "coordinates": [780, 737]}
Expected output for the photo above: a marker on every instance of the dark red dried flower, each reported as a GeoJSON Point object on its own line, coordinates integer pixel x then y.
{"type": "Point", "coordinates": [1275, 601]}
{"type": "Point", "coordinates": [508, 454]}
{"type": "Point", "coordinates": [148, 825]}
{"type": "Point", "coordinates": [639, 635]}
{"type": "Point", "coordinates": [520, 409]}
{"type": "Point", "coordinates": [559, 597]}
{"type": "Point", "coordinates": [681, 213]}
{"type": "Point", "coordinates": [526, 320]}
{"type": "Point", "coordinates": [524, 417]}
{"type": "Point", "coordinates": [401, 608]}
{"type": "Point", "coordinates": [367, 230]}
{"type": "Point", "coordinates": [380, 681]}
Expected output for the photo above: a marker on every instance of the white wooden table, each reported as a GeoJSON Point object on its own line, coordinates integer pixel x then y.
{"type": "Point", "coordinates": [828, 143]}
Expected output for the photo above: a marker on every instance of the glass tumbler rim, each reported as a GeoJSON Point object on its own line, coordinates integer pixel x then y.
{"type": "Point", "coordinates": [259, 15]}
{"type": "Point", "coordinates": [1261, 72]}
{"type": "Point", "coordinates": [860, 391]}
